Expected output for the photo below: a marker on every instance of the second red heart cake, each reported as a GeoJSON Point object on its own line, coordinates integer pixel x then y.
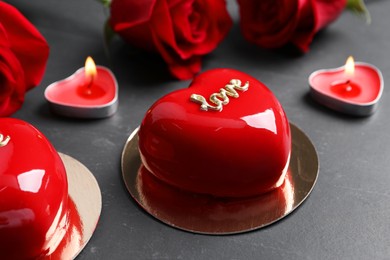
{"type": "Point", "coordinates": [226, 135]}
{"type": "Point", "coordinates": [34, 212]}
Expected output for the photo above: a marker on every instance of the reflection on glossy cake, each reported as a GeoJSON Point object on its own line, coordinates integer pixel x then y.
{"type": "Point", "coordinates": [226, 135]}
{"type": "Point", "coordinates": [33, 193]}
{"type": "Point", "coordinates": [208, 214]}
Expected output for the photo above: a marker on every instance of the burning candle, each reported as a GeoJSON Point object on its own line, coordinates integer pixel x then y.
{"type": "Point", "coordinates": [91, 92]}
{"type": "Point", "coordinates": [90, 74]}
{"type": "Point", "coordinates": [353, 89]}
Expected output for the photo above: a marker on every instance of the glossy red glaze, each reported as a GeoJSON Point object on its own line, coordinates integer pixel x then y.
{"type": "Point", "coordinates": [73, 239]}
{"type": "Point", "coordinates": [33, 193]}
{"type": "Point", "coordinates": [75, 90]}
{"type": "Point", "coordinates": [363, 87]}
{"type": "Point", "coordinates": [243, 150]}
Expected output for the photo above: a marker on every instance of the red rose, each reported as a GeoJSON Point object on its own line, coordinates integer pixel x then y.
{"type": "Point", "coordinates": [23, 56]}
{"type": "Point", "coordinates": [274, 23]}
{"type": "Point", "coordinates": [180, 30]}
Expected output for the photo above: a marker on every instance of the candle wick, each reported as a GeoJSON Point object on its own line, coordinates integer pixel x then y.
{"type": "Point", "coordinates": [89, 85]}
{"type": "Point", "coordinates": [91, 82]}
{"type": "Point", "coordinates": [348, 86]}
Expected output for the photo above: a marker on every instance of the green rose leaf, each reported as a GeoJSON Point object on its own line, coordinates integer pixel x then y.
{"type": "Point", "coordinates": [105, 3]}
{"type": "Point", "coordinates": [359, 7]}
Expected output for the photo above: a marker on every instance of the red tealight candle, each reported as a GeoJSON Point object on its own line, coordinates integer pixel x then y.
{"type": "Point", "coordinates": [353, 89]}
{"type": "Point", "coordinates": [91, 92]}
{"type": "Point", "coordinates": [347, 88]}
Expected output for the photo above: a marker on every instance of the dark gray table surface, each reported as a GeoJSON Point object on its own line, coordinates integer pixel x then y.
{"type": "Point", "coordinates": [346, 216]}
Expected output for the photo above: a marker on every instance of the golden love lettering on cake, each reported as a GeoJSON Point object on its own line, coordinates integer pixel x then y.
{"type": "Point", "coordinates": [34, 203]}
{"type": "Point", "coordinates": [226, 135]}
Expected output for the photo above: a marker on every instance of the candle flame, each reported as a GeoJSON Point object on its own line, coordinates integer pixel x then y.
{"type": "Point", "coordinates": [90, 69]}
{"type": "Point", "coordinates": [349, 66]}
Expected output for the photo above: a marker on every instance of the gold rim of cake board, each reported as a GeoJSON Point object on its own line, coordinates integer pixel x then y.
{"type": "Point", "coordinates": [217, 216]}
{"type": "Point", "coordinates": [84, 192]}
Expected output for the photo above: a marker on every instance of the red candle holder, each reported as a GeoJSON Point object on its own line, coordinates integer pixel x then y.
{"type": "Point", "coordinates": [91, 92]}
{"type": "Point", "coordinates": [354, 89]}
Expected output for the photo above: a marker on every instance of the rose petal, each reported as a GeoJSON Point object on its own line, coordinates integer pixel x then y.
{"type": "Point", "coordinates": [164, 39]}
{"type": "Point", "coordinates": [198, 27]}
{"type": "Point", "coordinates": [326, 11]}
{"type": "Point", "coordinates": [131, 12]}
{"type": "Point", "coordinates": [186, 69]}
{"type": "Point", "coordinates": [12, 87]}
{"type": "Point", "coordinates": [305, 29]}
{"type": "Point", "coordinates": [269, 28]}
{"type": "Point", "coordinates": [218, 24]}
{"type": "Point", "coordinates": [163, 34]}
{"type": "Point", "coordinates": [179, 30]}
{"type": "Point", "coordinates": [272, 24]}
{"type": "Point", "coordinates": [26, 42]}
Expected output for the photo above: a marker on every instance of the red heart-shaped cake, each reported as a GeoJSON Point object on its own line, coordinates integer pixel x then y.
{"type": "Point", "coordinates": [33, 193]}
{"type": "Point", "coordinates": [226, 135]}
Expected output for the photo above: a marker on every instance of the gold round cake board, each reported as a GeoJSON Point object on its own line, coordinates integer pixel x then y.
{"type": "Point", "coordinates": [210, 215]}
{"type": "Point", "coordinates": [84, 204]}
